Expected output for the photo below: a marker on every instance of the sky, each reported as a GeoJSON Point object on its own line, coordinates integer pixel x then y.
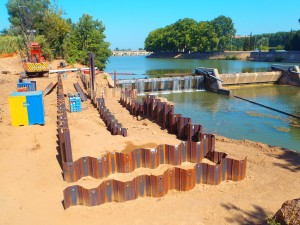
{"type": "Point", "coordinates": [128, 22]}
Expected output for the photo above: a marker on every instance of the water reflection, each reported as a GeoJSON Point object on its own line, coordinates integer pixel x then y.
{"type": "Point", "coordinates": [238, 119]}
{"type": "Point", "coordinates": [142, 66]}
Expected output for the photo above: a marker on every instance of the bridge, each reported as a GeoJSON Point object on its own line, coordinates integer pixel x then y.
{"type": "Point", "coordinates": [131, 53]}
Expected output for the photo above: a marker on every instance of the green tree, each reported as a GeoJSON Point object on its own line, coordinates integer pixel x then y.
{"type": "Point", "coordinates": [238, 43]}
{"type": "Point", "coordinates": [251, 42]}
{"type": "Point", "coordinates": [296, 41]}
{"type": "Point", "coordinates": [27, 14]}
{"type": "Point", "coordinates": [183, 32]}
{"type": "Point", "coordinates": [45, 47]}
{"type": "Point", "coordinates": [187, 35]}
{"type": "Point", "coordinates": [205, 39]}
{"type": "Point", "coordinates": [55, 29]}
{"type": "Point", "coordinates": [155, 41]}
{"type": "Point", "coordinates": [247, 44]}
{"type": "Point", "coordinates": [224, 28]}
{"type": "Point", "coordinates": [87, 36]}
{"type": "Point", "coordinates": [263, 43]}
{"type": "Point", "coordinates": [288, 43]}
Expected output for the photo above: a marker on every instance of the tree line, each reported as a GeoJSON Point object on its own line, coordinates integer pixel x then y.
{"type": "Point", "coordinates": [289, 41]}
{"type": "Point", "coordinates": [188, 35]}
{"type": "Point", "coordinates": [58, 36]}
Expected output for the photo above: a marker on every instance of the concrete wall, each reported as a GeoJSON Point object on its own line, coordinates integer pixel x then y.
{"type": "Point", "coordinates": [250, 78]}
{"type": "Point", "coordinates": [290, 79]}
{"type": "Point", "coordinates": [288, 56]}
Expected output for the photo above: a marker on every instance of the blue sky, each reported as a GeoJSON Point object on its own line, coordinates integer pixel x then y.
{"type": "Point", "coordinates": [128, 22]}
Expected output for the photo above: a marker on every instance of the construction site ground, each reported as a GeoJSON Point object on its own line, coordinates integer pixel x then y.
{"type": "Point", "coordinates": [32, 183]}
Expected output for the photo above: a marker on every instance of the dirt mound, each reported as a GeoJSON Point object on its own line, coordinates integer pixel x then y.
{"type": "Point", "coordinates": [11, 65]}
{"type": "Point", "coordinates": [289, 214]}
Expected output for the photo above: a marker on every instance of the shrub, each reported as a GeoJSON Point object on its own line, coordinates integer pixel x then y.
{"type": "Point", "coordinates": [9, 44]}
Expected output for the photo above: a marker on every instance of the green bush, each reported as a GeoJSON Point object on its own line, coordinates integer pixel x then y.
{"type": "Point", "coordinates": [231, 57]}
{"type": "Point", "coordinates": [271, 221]}
{"type": "Point", "coordinates": [45, 47]}
{"type": "Point", "coordinates": [9, 44]}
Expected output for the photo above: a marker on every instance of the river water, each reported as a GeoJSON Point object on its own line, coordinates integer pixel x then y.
{"type": "Point", "coordinates": [223, 115]}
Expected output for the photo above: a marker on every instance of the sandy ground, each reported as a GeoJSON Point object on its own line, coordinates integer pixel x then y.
{"type": "Point", "coordinates": [32, 185]}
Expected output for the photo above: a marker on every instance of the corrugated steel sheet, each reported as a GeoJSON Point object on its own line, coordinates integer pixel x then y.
{"type": "Point", "coordinates": [150, 185]}
{"type": "Point", "coordinates": [111, 122]}
{"type": "Point", "coordinates": [198, 147]}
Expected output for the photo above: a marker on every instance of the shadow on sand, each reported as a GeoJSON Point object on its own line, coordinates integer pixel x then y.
{"type": "Point", "coordinates": [291, 158]}
{"type": "Point", "coordinates": [239, 216]}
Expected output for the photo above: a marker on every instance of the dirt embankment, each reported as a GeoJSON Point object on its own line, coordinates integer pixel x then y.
{"type": "Point", "coordinates": [32, 185]}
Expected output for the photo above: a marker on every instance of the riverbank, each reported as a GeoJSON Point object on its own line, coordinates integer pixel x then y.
{"type": "Point", "coordinates": [32, 185]}
{"type": "Point", "coordinates": [234, 55]}
{"type": "Point", "coordinates": [258, 56]}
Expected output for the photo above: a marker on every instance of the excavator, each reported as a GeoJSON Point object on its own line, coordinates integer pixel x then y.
{"type": "Point", "coordinates": [34, 64]}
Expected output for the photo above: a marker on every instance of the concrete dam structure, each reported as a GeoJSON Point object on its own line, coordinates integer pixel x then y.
{"type": "Point", "coordinates": [209, 79]}
{"type": "Point", "coordinates": [249, 78]}
{"type": "Point", "coordinates": [290, 75]}
{"type": "Point", "coordinates": [164, 84]}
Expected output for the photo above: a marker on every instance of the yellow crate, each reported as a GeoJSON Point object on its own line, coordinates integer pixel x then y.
{"type": "Point", "coordinates": [18, 110]}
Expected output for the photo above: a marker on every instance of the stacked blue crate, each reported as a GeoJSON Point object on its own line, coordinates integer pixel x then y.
{"type": "Point", "coordinates": [75, 103]}
{"type": "Point", "coordinates": [31, 85]}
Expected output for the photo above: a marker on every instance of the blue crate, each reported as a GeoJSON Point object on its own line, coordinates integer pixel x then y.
{"type": "Point", "coordinates": [75, 104]}
{"type": "Point", "coordinates": [31, 85]}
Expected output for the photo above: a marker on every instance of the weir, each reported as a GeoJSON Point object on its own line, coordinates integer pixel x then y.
{"type": "Point", "coordinates": [164, 84]}
{"type": "Point", "coordinates": [188, 84]}
{"type": "Point", "coordinates": [176, 84]}
{"type": "Point", "coordinates": [209, 79]}
{"type": "Point", "coordinates": [140, 86]}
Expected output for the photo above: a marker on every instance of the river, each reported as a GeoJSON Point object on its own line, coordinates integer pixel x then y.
{"type": "Point", "coordinates": [222, 115]}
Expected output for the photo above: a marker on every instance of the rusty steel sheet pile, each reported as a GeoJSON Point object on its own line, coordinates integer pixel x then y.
{"type": "Point", "coordinates": [62, 125]}
{"type": "Point", "coordinates": [64, 139]}
{"type": "Point", "coordinates": [155, 185]}
{"type": "Point", "coordinates": [163, 114]}
{"type": "Point", "coordinates": [119, 162]}
{"type": "Point", "coordinates": [109, 119]}
{"type": "Point", "coordinates": [49, 88]}
{"type": "Point", "coordinates": [195, 147]}
{"type": "Point", "coordinates": [80, 91]}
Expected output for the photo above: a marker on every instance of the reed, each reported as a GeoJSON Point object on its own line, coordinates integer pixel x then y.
{"type": "Point", "coordinates": [9, 44]}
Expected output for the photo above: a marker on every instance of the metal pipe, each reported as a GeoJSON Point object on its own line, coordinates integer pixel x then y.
{"type": "Point", "coordinates": [276, 110]}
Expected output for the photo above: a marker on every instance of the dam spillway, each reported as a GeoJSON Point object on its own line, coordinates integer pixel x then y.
{"type": "Point", "coordinates": [197, 82]}
{"type": "Point", "coordinates": [164, 84]}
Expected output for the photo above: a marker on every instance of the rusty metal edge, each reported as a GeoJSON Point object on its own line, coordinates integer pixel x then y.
{"type": "Point", "coordinates": [49, 88]}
